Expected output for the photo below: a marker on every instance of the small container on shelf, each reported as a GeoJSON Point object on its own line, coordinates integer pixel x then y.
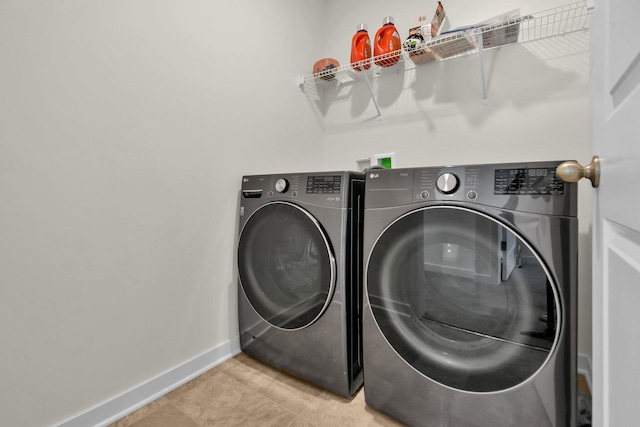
{"type": "Point", "coordinates": [325, 68]}
{"type": "Point", "coordinates": [507, 31]}
{"type": "Point", "coordinates": [418, 36]}
{"type": "Point", "coordinates": [386, 45]}
{"type": "Point", "coordinates": [361, 49]}
{"type": "Point", "coordinates": [455, 42]}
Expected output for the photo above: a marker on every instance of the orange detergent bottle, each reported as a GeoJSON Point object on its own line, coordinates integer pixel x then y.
{"type": "Point", "coordinates": [386, 45]}
{"type": "Point", "coordinates": [361, 49]}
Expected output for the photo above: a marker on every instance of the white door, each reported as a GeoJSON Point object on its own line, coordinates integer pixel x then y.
{"type": "Point", "coordinates": [616, 226]}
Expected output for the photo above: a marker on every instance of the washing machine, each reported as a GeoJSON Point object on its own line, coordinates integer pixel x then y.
{"type": "Point", "coordinates": [300, 275]}
{"type": "Point", "coordinates": [470, 295]}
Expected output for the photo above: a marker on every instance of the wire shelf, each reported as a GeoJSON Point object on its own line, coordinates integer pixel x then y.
{"type": "Point", "coordinates": [521, 29]}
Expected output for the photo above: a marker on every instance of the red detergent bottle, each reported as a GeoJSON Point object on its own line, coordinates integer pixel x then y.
{"type": "Point", "coordinates": [387, 45]}
{"type": "Point", "coordinates": [361, 49]}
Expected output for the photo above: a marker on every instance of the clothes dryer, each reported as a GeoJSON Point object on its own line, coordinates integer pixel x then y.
{"type": "Point", "coordinates": [299, 268]}
{"type": "Point", "coordinates": [470, 295]}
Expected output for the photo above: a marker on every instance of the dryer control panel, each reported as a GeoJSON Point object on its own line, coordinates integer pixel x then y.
{"type": "Point", "coordinates": [529, 187]}
{"type": "Point", "coordinates": [528, 181]}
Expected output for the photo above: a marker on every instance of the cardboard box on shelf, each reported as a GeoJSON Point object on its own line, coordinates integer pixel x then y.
{"type": "Point", "coordinates": [438, 19]}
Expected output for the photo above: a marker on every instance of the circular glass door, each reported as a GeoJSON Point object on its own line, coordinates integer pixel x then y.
{"type": "Point", "coordinates": [285, 264]}
{"type": "Point", "coordinates": [462, 299]}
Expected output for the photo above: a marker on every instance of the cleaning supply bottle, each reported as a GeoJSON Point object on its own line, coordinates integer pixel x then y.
{"type": "Point", "coordinates": [387, 45]}
{"type": "Point", "coordinates": [361, 48]}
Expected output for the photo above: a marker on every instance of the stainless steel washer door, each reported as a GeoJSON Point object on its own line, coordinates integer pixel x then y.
{"type": "Point", "coordinates": [463, 299]}
{"type": "Point", "coordinates": [286, 265]}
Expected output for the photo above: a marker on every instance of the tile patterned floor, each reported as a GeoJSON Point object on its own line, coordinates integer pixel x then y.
{"type": "Point", "coordinates": [246, 392]}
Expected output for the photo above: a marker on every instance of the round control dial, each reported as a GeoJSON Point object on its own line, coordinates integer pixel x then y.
{"type": "Point", "coordinates": [447, 183]}
{"type": "Point", "coordinates": [282, 185]}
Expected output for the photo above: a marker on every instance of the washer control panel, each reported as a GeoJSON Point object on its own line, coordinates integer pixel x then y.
{"type": "Point", "coordinates": [324, 184]}
{"type": "Point", "coordinates": [318, 188]}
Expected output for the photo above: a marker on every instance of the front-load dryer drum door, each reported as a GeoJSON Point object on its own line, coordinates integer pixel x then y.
{"type": "Point", "coordinates": [286, 265]}
{"type": "Point", "coordinates": [463, 299]}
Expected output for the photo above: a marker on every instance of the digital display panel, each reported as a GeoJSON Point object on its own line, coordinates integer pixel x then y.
{"type": "Point", "coordinates": [324, 184]}
{"type": "Point", "coordinates": [534, 181]}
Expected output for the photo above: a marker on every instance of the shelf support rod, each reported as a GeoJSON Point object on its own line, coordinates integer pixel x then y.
{"type": "Point", "coordinates": [485, 100]}
{"type": "Point", "coordinates": [375, 102]}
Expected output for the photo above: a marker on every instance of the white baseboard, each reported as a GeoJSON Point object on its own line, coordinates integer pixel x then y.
{"type": "Point", "coordinates": [584, 368]}
{"type": "Point", "coordinates": [117, 407]}
{"type": "Point", "coordinates": [120, 406]}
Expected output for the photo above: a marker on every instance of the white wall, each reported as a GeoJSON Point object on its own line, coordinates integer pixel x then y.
{"type": "Point", "coordinates": [538, 105]}
{"type": "Point", "coordinates": [125, 127]}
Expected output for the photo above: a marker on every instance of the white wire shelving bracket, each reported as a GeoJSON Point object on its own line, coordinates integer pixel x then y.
{"type": "Point", "coordinates": [554, 22]}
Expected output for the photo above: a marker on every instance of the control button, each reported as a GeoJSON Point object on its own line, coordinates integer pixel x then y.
{"type": "Point", "coordinates": [424, 195]}
{"type": "Point", "coordinates": [282, 185]}
{"type": "Point", "coordinates": [294, 194]}
{"type": "Point", "coordinates": [270, 193]}
{"type": "Point", "coordinates": [472, 195]}
{"type": "Point", "coordinates": [447, 183]}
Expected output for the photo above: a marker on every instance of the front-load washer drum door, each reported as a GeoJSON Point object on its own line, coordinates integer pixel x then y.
{"type": "Point", "coordinates": [286, 265]}
{"type": "Point", "coordinates": [462, 299]}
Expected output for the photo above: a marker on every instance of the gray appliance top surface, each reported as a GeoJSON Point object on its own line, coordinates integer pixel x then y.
{"type": "Point", "coordinates": [526, 187]}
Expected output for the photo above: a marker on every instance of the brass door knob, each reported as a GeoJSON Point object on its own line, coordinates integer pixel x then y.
{"type": "Point", "coordinates": [572, 171]}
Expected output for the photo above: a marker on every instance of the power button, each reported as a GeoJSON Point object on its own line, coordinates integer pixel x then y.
{"type": "Point", "coordinates": [472, 195]}
{"type": "Point", "coordinates": [447, 183]}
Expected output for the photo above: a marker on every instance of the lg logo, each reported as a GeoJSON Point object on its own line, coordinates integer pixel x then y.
{"type": "Point", "coordinates": [374, 175]}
